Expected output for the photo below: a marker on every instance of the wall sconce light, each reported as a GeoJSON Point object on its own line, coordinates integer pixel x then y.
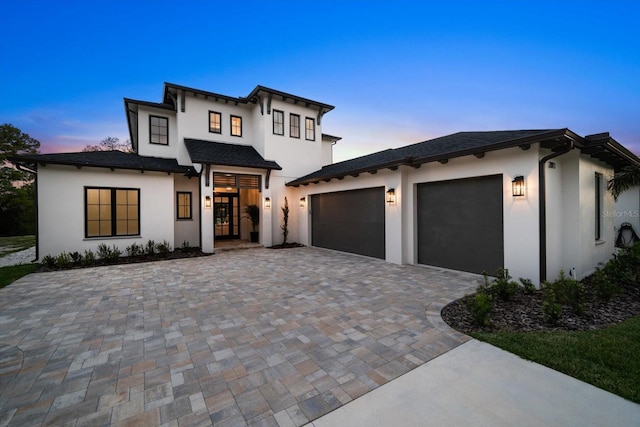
{"type": "Point", "coordinates": [207, 202]}
{"type": "Point", "coordinates": [267, 203]}
{"type": "Point", "coordinates": [517, 186]}
{"type": "Point", "coordinates": [391, 196]}
{"type": "Point", "coordinates": [303, 202]}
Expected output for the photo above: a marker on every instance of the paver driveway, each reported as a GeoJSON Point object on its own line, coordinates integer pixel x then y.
{"type": "Point", "coordinates": [260, 336]}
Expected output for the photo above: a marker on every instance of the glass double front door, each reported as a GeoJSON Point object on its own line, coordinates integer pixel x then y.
{"type": "Point", "coordinates": [226, 216]}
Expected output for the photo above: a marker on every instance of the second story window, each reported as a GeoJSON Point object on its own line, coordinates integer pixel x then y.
{"type": "Point", "coordinates": [278, 122]}
{"type": "Point", "coordinates": [310, 129]}
{"type": "Point", "coordinates": [215, 122]}
{"type": "Point", "coordinates": [158, 130]}
{"type": "Point", "coordinates": [294, 126]}
{"type": "Point", "coordinates": [236, 126]}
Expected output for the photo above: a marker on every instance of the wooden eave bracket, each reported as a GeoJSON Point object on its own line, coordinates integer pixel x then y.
{"type": "Point", "coordinates": [269, 104]}
{"type": "Point", "coordinates": [443, 161]}
{"type": "Point", "coordinates": [207, 175]}
{"type": "Point", "coordinates": [525, 147]}
{"type": "Point", "coordinates": [266, 180]}
{"type": "Point", "coordinates": [182, 101]}
{"type": "Point", "coordinates": [321, 113]}
{"type": "Point", "coordinates": [479, 155]}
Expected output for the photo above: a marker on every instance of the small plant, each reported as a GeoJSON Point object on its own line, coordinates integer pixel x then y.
{"type": "Point", "coordinates": [63, 260]}
{"type": "Point", "coordinates": [115, 253]}
{"type": "Point", "coordinates": [134, 250]}
{"type": "Point", "coordinates": [480, 305]}
{"type": "Point", "coordinates": [104, 251]}
{"type": "Point", "coordinates": [551, 310]}
{"type": "Point", "coordinates": [76, 257]}
{"type": "Point", "coordinates": [49, 261]}
{"type": "Point", "coordinates": [569, 291]}
{"type": "Point", "coordinates": [163, 248]}
{"type": "Point", "coordinates": [285, 222]}
{"type": "Point", "coordinates": [503, 287]}
{"type": "Point", "coordinates": [150, 248]}
{"type": "Point", "coordinates": [89, 257]}
{"type": "Point", "coordinates": [252, 212]}
{"type": "Point", "coordinates": [527, 285]}
{"type": "Point", "coordinates": [605, 287]}
{"type": "Point", "coordinates": [185, 244]}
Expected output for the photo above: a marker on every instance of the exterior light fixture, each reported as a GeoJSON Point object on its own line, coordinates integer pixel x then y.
{"type": "Point", "coordinates": [391, 196]}
{"type": "Point", "coordinates": [267, 203]}
{"type": "Point", "coordinates": [207, 202]}
{"type": "Point", "coordinates": [303, 202]}
{"type": "Point", "coordinates": [517, 186]}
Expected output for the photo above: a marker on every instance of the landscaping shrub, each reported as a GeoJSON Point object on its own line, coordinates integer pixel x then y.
{"type": "Point", "coordinates": [134, 250]}
{"type": "Point", "coordinates": [503, 287]}
{"type": "Point", "coordinates": [551, 310]}
{"type": "Point", "coordinates": [480, 305]}
{"type": "Point", "coordinates": [49, 261]}
{"type": "Point", "coordinates": [624, 267]}
{"type": "Point", "coordinates": [604, 286]}
{"type": "Point", "coordinates": [563, 291]}
{"type": "Point", "coordinates": [163, 248]}
{"type": "Point", "coordinates": [89, 257]}
{"type": "Point", "coordinates": [150, 248]}
{"type": "Point", "coordinates": [104, 251]}
{"type": "Point", "coordinates": [186, 244]}
{"type": "Point", "coordinates": [63, 260]}
{"type": "Point", "coordinates": [528, 286]}
{"type": "Point", "coordinates": [76, 256]}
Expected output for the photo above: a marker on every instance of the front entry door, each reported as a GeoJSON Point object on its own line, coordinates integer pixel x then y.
{"type": "Point", "coordinates": [226, 216]}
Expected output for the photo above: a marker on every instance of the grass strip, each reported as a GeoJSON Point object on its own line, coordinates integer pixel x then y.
{"type": "Point", "coordinates": [607, 358]}
{"type": "Point", "coordinates": [12, 273]}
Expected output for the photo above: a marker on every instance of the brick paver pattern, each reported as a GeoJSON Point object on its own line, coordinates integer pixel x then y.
{"type": "Point", "coordinates": [246, 337]}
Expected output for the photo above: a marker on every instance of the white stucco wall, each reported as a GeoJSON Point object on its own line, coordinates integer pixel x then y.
{"type": "Point", "coordinates": [61, 207]}
{"type": "Point", "coordinates": [145, 148]}
{"type": "Point", "coordinates": [187, 229]}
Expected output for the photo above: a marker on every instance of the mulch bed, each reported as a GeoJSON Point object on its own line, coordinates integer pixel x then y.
{"type": "Point", "coordinates": [286, 246]}
{"type": "Point", "coordinates": [178, 253]}
{"type": "Point", "coordinates": [524, 313]}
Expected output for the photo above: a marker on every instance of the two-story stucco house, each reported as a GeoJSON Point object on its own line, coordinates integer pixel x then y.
{"type": "Point", "coordinates": [532, 201]}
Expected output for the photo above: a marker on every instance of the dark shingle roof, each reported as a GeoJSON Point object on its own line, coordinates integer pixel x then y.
{"type": "Point", "coordinates": [106, 159]}
{"type": "Point", "coordinates": [450, 146]}
{"type": "Point", "coordinates": [218, 153]}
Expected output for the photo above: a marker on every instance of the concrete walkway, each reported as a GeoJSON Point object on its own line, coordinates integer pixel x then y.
{"type": "Point", "coordinates": [255, 337]}
{"type": "Point", "coordinates": [477, 384]}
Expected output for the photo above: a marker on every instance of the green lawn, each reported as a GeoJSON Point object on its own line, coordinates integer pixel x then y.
{"type": "Point", "coordinates": [15, 243]}
{"type": "Point", "coordinates": [12, 273]}
{"type": "Point", "coordinates": [607, 358]}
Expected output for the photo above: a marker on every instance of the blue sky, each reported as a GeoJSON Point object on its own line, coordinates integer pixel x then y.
{"type": "Point", "coordinates": [398, 72]}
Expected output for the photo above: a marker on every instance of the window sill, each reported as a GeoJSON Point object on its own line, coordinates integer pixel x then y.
{"type": "Point", "coordinates": [184, 219]}
{"type": "Point", "coordinates": [600, 242]}
{"type": "Point", "coordinates": [91, 239]}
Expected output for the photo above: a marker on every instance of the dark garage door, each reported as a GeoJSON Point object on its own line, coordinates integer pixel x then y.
{"type": "Point", "coordinates": [460, 224]}
{"type": "Point", "coordinates": [349, 221]}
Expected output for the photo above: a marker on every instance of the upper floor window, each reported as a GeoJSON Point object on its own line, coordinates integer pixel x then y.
{"type": "Point", "coordinates": [236, 126]}
{"type": "Point", "coordinates": [310, 129]}
{"type": "Point", "coordinates": [112, 212]}
{"type": "Point", "coordinates": [598, 205]}
{"type": "Point", "coordinates": [294, 125]}
{"type": "Point", "coordinates": [215, 122]}
{"type": "Point", "coordinates": [158, 130]}
{"type": "Point", "coordinates": [278, 122]}
{"type": "Point", "coordinates": [183, 202]}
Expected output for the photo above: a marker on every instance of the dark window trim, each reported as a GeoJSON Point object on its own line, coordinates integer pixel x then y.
{"type": "Point", "coordinates": [291, 127]}
{"type": "Point", "coordinates": [113, 213]}
{"type": "Point", "coordinates": [231, 123]}
{"type": "Point", "coordinates": [313, 129]}
{"type": "Point", "coordinates": [150, 133]}
{"type": "Point", "coordinates": [220, 121]}
{"type": "Point", "coordinates": [598, 206]}
{"type": "Point", "coordinates": [274, 122]}
{"type": "Point", "coordinates": [178, 217]}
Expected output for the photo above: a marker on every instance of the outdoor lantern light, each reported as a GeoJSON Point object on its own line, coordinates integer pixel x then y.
{"type": "Point", "coordinates": [517, 185]}
{"type": "Point", "coordinates": [207, 202]}
{"type": "Point", "coordinates": [267, 203]}
{"type": "Point", "coordinates": [303, 202]}
{"type": "Point", "coordinates": [391, 196]}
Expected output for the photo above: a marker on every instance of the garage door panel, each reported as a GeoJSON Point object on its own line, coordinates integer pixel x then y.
{"type": "Point", "coordinates": [460, 224]}
{"type": "Point", "coordinates": [350, 221]}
